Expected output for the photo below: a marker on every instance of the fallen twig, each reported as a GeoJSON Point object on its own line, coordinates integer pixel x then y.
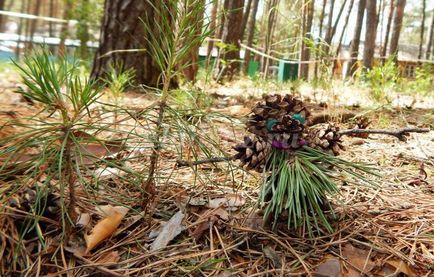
{"type": "Point", "coordinates": [398, 133]}
{"type": "Point", "coordinates": [180, 163]}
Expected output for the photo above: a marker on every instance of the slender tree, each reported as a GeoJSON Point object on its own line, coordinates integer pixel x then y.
{"type": "Point", "coordinates": [341, 37]}
{"type": "Point", "coordinates": [422, 30]}
{"type": "Point", "coordinates": [271, 23]}
{"type": "Point", "coordinates": [67, 15]}
{"type": "Point", "coordinates": [250, 34]}
{"type": "Point", "coordinates": [428, 54]}
{"type": "Point", "coordinates": [212, 32]}
{"type": "Point", "coordinates": [231, 37]}
{"type": "Point", "coordinates": [388, 27]}
{"type": "Point", "coordinates": [245, 17]}
{"type": "Point", "coordinates": [2, 7]}
{"type": "Point", "coordinates": [321, 23]}
{"type": "Point", "coordinates": [328, 35]}
{"type": "Point", "coordinates": [371, 33]}
{"type": "Point", "coordinates": [355, 42]}
{"type": "Point", "coordinates": [397, 25]}
{"type": "Point", "coordinates": [123, 41]}
{"type": "Point", "coordinates": [308, 10]}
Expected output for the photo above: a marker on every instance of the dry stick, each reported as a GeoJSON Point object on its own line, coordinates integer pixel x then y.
{"type": "Point", "coordinates": [399, 133]}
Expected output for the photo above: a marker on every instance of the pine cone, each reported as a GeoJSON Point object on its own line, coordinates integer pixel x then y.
{"type": "Point", "coordinates": [253, 153]}
{"type": "Point", "coordinates": [27, 199]}
{"type": "Point", "coordinates": [361, 123]}
{"type": "Point", "coordinates": [325, 138]}
{"type": "Point", "coordinates": [278, 114]}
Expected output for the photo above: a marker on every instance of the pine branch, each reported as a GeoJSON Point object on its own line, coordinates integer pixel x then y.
{"type": "Point", "coordinates": [398, 133]}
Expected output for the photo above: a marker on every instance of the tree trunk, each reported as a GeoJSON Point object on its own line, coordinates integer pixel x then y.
{"type": "Point", "coordinates": [396, 31]}
{"type": "Point", "coordinates": [271, 12]}
{"type": "Point", "coordinates": [308, 10]}
{"type": "Point", "coordinates": [328, 36]}
{"type": "Point", "coordinates": [82, 32]}
{"type": "Point", "coordinates": [245, 18]}
{"type": "Point", "coordinates": [341, 37]}
{"type": "Point", "coordinates": [67, 15]}
{"type": "Point", "coordinates": [24, 5]}
{"type": "Point", "coordinates": [250, 34]}
{"type": "Point", "coordinates": [122, 29]}
{"type": "Point", "coordinates": [422, 30]}
{"type": "Point", "coordinates": [191, 61]}
{"type": "Point", "coordinates": [231, 37]}
{"type": "Point", "coordinates": [212, 32]}
{"type": "Point", "coordinates": [33, 25]}
{"type": "Point", "coordinates": [355, 42]}
{"type": "Point", "coordinates": [321, 22]}
{"type": "Point", "coordinates": [2, 7]}
{"type": "Point", "coordinates": [428, 54]}
{"type": "Point", "coordinates": [389, 25]}
{"type": "Point", "coordinates": [371, 33]}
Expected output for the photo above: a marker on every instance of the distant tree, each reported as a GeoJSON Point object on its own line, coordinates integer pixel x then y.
{"type": "Point", "coordinates": [2, 7]}
{"type": "Point", "coordinates": [422, 30]}
{"type": "Point", "coordinates": [33, 24]}
{"type": "Point", "coordinates": [250, 35]}
{"type": "Point", "coordinates": [308, 10]}
{"type": "Point", "coordinates": [388, 27]}
{"type": "Point", "coordinates": [123, 40]}
{"type": "Point", "coordinates": [67, 15]}
{"type": "Point", "coordinates": [344, 28]}
{"type": "Point", "coordinates": [212, 31]}
{"type": "Point", "coordinates": [231, 36]}
{"type": "Point", "coordinates": [320, 26]}
{"type": "Point", "coordinates": [246, 14]}
{"type": "Point", "coordinates": [397, 24]}
{"type": "Point", "coordinates": [271, 15]}
{"type": "Point", "coordinates": [355, 42]}
{"type": "Point", "coordinates": [371, 33]}
{"type": "Point", "coordinates": [429, 52]}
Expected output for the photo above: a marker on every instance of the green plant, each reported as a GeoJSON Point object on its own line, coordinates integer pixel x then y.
{"type": "Point", "coordinates": [424, 80]}
{"type": "Point", "coordinates": [57, 146]}
{"type": "Point", "coordinates": [118, 79]}
{"type": "Point", "coordinates": [299, 183]}
{"type": "Point", "coordinates": [381, 79]}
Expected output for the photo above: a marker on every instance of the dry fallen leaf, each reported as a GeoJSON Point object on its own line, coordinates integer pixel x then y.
{"type": "Point", "coordinates": [330, 268]}
{"type": "Point", "coordinates": [400, 267]}
{"type": "Point", "coordinates": [229, 201]}
{"type": "Point", "coordinates": [207, 219]}
{"type": "Point", "coordinates": [170, 230]}
{"type": "Point", "coordinates": [109, 257]}
{"type": "Point", "coordinates": [105, 227]}
{"type": "Point", "coordinates": [357, 258]}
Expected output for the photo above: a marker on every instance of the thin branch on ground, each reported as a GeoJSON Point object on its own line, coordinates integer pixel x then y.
{"type": "Point", "coordinates": [181, 163]}
{"type": "Point", "coordinates": [398, 133]}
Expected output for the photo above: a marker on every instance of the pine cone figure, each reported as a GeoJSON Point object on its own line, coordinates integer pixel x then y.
{"type": "Point", "coordinates": [361, 123]}
{"type": "Point", "coordinates": [253, 153]}
{"type": "Point", "coordinates": [278, 114]}
{"type": "Point", "coordinates": [325, 138]}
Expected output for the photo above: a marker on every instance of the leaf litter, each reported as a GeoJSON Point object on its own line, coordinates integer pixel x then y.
{"type": "Point", "coordinates": [381, 231]}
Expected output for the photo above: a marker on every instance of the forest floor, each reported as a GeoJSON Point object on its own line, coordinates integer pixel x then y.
{"type": "Point", "coordinates": [209, 215]}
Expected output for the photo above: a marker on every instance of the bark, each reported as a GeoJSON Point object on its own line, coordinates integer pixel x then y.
{"type": "Point", "coordinates": [321, 22]}
{"type": "Point", "coordinates": [328, 36]}
{"type": "Point", "coordinates": [341, 37]}
{"type": "Point", "coordinates": [397, 25]}
{"type": "Point", "coordinates": [271, 19]}
{"type": "Point", "coordinates": [231, 36]}
{"type": "Point", "coordinates": [245, 18]}
{"type": "Point", "coordinates": [389, 25]}
{"type": "Point", "coordinates": [23, 8]}
{"type": "Point", "coordinates": [422, 30]}
{"type": "Point", "coordinates": [122, 29]}
{"type": "Point", "coordinates": [308, 10]}
{"type": "Point", "coordinates": [250, 34]}
{"type": "Point", "coordinates": [371, 33]}
{"type": "Point", "coordinates": [355, 42]}
{"type": "Point", "coordinates": [2, 7]}
{"type": "Point", "coordinates": [212, 32]}
{"type": "Point", "coordinates": [428, 54]}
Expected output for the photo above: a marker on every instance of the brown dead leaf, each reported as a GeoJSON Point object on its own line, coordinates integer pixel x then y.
{"type": "Point", "coordinates": [208, 219]}
{"type": "Point", "coordinates": [232, 201]}
{"type": "Point", "coordinates": [105, 227]}
{"type": "Point", "coordinates": [109, 257]}
{"type": "Point", "coordinates": [358, 259]}
{"type": "Point", "coordinates": [400, 267]}
{"type": "Point", "coordinates": [271, 254]}
{"type": "Point", "coordinates": [330, 268]}
{"type": "Point", "coordinates": [170, 230]}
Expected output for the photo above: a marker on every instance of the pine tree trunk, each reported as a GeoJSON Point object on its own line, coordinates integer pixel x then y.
{"type": "Point", "coordinates": [2, 7]}
{"type": "Point", "coordinates": [429, 52]}
{"type": "Point", "coordinates": [265, 62]}
{"type": "Point", "coordinates": [231, 36]}
{"type": "Point", "coordinates": [191, 61]}
{"type": "Point", "coordinates": [122, 29]}
{"type": "Point", "coordinates": [389, 25]}
{"type": "Point", "coordinates": [397, 25]}
{"type": "Point", "coordinates": [422, 30]}
{"type": "Point", "coordinates": [341, 37]}
{"type": "Point", "coordinates": [308, 10]}
{"type": "Point", "coordinates": [321, 23]}
{"type": "Point", "coordinates": [67, 15]}
{"type": "Point", "coordinates": [33, 25]}
{"type": "Point", "coordinates": [371, 33]}
{"type": "Point", "coordinates": [328, 35]}
{"type": "Point", "coordinates": [250, 35]}
{"type": "Point", "coordinates": [246, 18]}
{"type": "Point", "coordinates": [212, 32]}
{"type": "Point", "coordinates": [355, 42]}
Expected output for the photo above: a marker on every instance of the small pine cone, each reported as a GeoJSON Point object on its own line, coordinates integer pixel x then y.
{"type": "Point", "coordinates": [361, 123]}
{"type": "Point", "coordinates": [253, 153]}
{"type": "Point", "coordinates": [325, 138]}
{"type": "Point", "coordinates": [26, 200]}
{"type": "Point", "coordinates": [278, 114]}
